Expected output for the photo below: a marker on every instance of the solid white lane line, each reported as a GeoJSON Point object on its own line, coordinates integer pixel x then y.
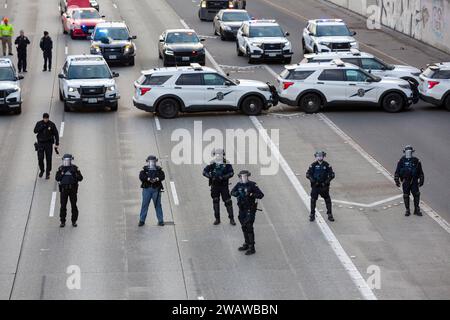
{"type": "Point", "coordinates": [66, 50]}
{"type": "Point", "coordinates": [115, 6]}
{"type": "Point", "coordinates": [158, 125]}
{"type": "Point", "coordinates": [345, 260]}
{"type": "Point", "coordinates": [52, 205]}
{"type": "Point", "coordinates": [61, 130]}
{"type": "Point", "coordinates": [174, 193]}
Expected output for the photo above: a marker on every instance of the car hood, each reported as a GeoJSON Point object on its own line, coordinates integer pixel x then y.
{"type": "Point", "coordinates": [113, 43]}
{"type": "Point", "coordinates": [90, 82]}
{"type": "Point", "coordinates": [7, 85]}
{"type": "Point", "coordinates": [251, 83]}
{"type": "Point", "coordinates": [232, 23]}
{"type": "Point", "coordinates": [336, 39]}
{"type": "Point", "coordinates": [406, 69]}
{"type": "Point", "coordinates": [268, 40]}
{"type": "Point", "coordinates": [393, 81]}
{"type": "Point", "coordinates": [89, 22]}
{"type": "Point", "coordinates": [184, 46]}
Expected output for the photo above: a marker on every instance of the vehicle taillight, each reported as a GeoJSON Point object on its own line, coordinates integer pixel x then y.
{"type": "Point", "coordinates": [144, 90]}
{"type": "Point", "coordinates": [432, 84]}
{"type": "Point", "coordinates": [286, 85]}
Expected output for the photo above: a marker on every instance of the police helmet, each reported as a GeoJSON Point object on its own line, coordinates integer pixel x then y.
{"type": "Point", "coordinates": [152, 158]}
{"type": "Point", "coordinates": [244, 172]}
{"type": "Point", "coordinates": [218, 151]}
{"type": "Point", "coordinates": [409, 148]}
{"type": "Point", "coordinates": [320, 154]}
{"type": "Point", "coordinates": [68, 156]}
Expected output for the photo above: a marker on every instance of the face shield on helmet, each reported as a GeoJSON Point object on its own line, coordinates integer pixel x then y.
{"type": "Point", "coordinates": [244, 175]}
{"type": "Point", "coordinates": [67, 160]}
{"type": "Point", "coordinates": [151, 162]}
{"type": "Point", "coordinates": [320, 155]}
{"type": "Point", "coordinates": [218, 155]}
{"type": "Point", "coordinates": [408, 151]}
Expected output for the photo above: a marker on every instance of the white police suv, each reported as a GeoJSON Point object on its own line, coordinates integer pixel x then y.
{"type": "Point", "coordinates": [10, 92]}
{"type": "Point", "coordinates": [314, 86]}
{"type": "Point", "coordinates": [263, 40]}
{"type": "Point", "coordinates": [87, 81]}
{"type": "Point", "coordinates": [327, 35]}
{"type": "Point", "coordinates": [434, 84]}
{"type": "Point", "coordinates": [168, 91]}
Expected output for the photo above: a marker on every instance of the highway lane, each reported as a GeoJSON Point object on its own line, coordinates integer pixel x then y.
{"type": "Point", "coordinates": [382, 135]}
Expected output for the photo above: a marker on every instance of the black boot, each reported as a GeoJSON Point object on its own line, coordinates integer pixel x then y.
{"type": "Point", "coordinates": [251, 242]}
{"type": "Point", "coordinates": [329, 209]}
{"type": "Point", "coordinates": [62, 225]}
{"type": "Point", "coordinates": [312, 216]}
{"type": "Point", "coordinates": [245, 246]}
{"type": "Point", "coordinates": [417, 211]}
{"type": "Point", "coordinates": [216, 207]}
{"type": "Point", "coordinates": [406, 200]}
{"type": "Point", "coordinates": [229, 206]}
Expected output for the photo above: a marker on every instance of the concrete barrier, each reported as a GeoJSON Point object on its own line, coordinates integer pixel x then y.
{"type": "Point", "coordinates": [424, 20]}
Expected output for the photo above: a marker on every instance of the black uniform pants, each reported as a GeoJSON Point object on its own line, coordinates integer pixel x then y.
{"type": "Point", "coordinates": [247, 219]}
{"type": "Point", "coordinates": [22, 60]}
{"type": "Point", "coordinates": [224, 192]}
{"type": "Point", "coordinates": [411, 187]}
{"type": "Point", "coordinates": [324, 192]}
{"type": "Point", "coordinates": [68, 194]}
{"type": "Point", "coordinates": [45, 150]}
{"type": "Point", "coordinates": [47, 60]}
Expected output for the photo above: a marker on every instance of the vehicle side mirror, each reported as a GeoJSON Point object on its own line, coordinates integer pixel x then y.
{"type": "Point", "coordinates": [421, 69]}
{"type": "Point", "coordinates": [161, 39]}
{"type": "Point", "coordinates": [115, 75]}
{"type": "Point", "coordinates": [202, 39]}
{"type": "Point", "coordinates": [369, 80]}
{"type": "Point", "coordinates": [61, 76]}
{"type": "Point", "coordinates": [228, 83]}
{"type": "Point", "coordinates": [353, 33]}
{"type": "Point", "coordinates": [103, 17]}
{"type": "Point", "coordinates": [19, 77]}
{"type": "Point", "coordinates": [370, 70]}
{"type": "Point", "coordinates": [311, 34]}
{"type": "Point", "coordinates": [287, 34]}
{"type": "Point", "coordinates": [134, 37]}
{"type": "Point", "coordinates": [67, 16]}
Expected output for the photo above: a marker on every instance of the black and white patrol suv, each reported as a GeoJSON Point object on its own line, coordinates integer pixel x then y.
{"type": "Point", "coordinates": [314, 86]}
{"type": "Point", "coordinates": [434, 84]}
{"type": "Point", "coordinates": [168, 91]}
{"type": "Point", "coordinates": [10, 91]}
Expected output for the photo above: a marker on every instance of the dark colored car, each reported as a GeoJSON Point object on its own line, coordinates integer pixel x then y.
{"type": "Point", "coordinates": [227, 22]}
{"type": "Point", "coordinates": [240, 4]}
{"type": "Point", "coordinates": [181, 47]}
{"type": "Point", "coordinates": [113, 41]}
{"type": "Point", "coordinates": [209, 8]}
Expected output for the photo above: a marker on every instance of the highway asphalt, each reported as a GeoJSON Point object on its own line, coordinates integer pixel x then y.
{"type": "Point", "coordinates": [189, 258]}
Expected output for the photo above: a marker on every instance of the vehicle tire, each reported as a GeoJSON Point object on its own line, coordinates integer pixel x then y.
{"type": "Point", "coordinates": [61, 97]}
{"type": "Point", "coordinates": [393, 102]}
{"type": "Point", "coordinates": [447, 103]}
{"type": "Point", "coordinates": [287, 60]}
{"type": "Point", "coordinates": [222, 36]}
{"type": "Point", "coordinates": [159, 55]}
{"type": "Point", "coordinates": [238, 51]}
{"type": "Point", "coordinates": [316, 50]}
{"type": "Point", "coordinates": [165, 64]}
{"type": "Point", "coordinates": [114, 107]}
{"type": "Point", "coordinates": [252, 106]}
{"type": "Point", "coordinates": [305, 51]}
{"type": "Point", "coordinates": [311, 103]}
{"type": "Point", "coordinates": [66, 107]}
{"type": "Point", "coordinates": [203, 63]}
{"type": "Point", "coordinates": [168, 108]}
{"type": "Point", "coordinates": [250, 59]}
{"type": "Point", "coordinates": [131, 62]}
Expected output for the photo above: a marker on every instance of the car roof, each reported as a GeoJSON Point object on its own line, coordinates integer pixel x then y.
{"type": "Point", "coordinates": [335, 64]}
{"type": "Point", "coordinates": [5, 62]}
{"type": "Point", "coordinates": [178, 70]}
{"type": "Point", "coordinates": [353, 53]}
{"type": "Point", "coordinates": [111, 24]}
{"type": "Point", "coordinates": [327, 21]}
{"type": "Point", "coordinates": [75, 8]}
{"type": "Point", "coordinates": [180, 30]}
{"type": "Point", "coordinates": [233, 10]}
{"type": "Point", "coordinates": [263, 23]}
{"type": "Point", "coordinates": [440, 65]}
{"type": "Point", "coordinates": [86, 60]}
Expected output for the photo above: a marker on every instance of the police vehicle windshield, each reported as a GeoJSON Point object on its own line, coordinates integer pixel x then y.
{"type": "Point", "coordinates": [182, 37]}
{"type": "Point", "coordinates": [235, 16]}
{"type": "Point", "coordinates": [266, 31]}
{"type": "Point", "coordinates": [89, 72]}
{"type": "Point", "coordinates": [339, 30]}
{"type": "Point", "coordinates": [86, 14]}
{"type": "Point", "coordinates": [7, 74]}
{"type": "Point", "coordinates": [112, 33]}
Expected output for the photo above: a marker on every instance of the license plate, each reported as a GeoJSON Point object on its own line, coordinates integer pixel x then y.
{"type": "Point", "coordinates": [113, 57]}
{"type": "Point", "coordinates": [186, 58]}
{"type": "Point", "coordinates": [272, 54]}
{"type": "Point", "coordinates": [92, 100]}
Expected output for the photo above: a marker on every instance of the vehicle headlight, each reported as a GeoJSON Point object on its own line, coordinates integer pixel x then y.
{"type": "Point", "coordinates": [353, 43]}
{"type": "Point", "coordinates": [256, 44]}
{"type": "Point", "coordinates": [112, 88]}
{"type": "Point", "coordinates": [12, 90]}
{"type": "Point", "coordinates": [326, 44]}
{"type": "Point", "coordinates": [96, 49]}
{"type": "Point", "coordinates": [203, 5]}
{"type": "Point", "coordinates": [287, 44]}
{"type": "Point", "coordinates": [169, 52]}
{"type": "Point", "coordinates": [72, 89]}
{"type": "Point", "coordinates": [128, 48]}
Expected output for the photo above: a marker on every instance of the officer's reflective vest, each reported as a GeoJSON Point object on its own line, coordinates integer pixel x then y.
{"type": "Point", "coordinates": [6, 30]}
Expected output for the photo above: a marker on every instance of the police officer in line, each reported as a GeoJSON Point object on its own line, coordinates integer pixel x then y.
{"type": "Point", "coordinates": [320, 173]}
{"type": "Point", "coordinates": [151, 177]}
{"type": "Point", "coordinates": [46, 46]}
{"type": "Point", "coordinates": [219, 172]}
{"type": "Point", "coordinates": [68, 176]}
{"type": "Point", "coordinates": [47, 135]}
{"type": "Point", "coordinates": [21, 43]}
{"type": "Point", "coordinates": [247, 193]}
{"type": "Point", "coordinates": [410, 176]}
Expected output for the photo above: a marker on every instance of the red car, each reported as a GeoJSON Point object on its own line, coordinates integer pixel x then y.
{"type": "Point", "coordinates": [80, 22]}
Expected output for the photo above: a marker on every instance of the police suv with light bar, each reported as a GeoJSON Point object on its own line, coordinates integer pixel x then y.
{"type": "Point", "coordinates": [10, 91]}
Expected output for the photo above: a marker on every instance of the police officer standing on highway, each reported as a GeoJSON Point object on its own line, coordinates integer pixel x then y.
{"type": "Point", "coordinates": [47, 135]}
{"type": "Point", "coordinates": [219, 172]}
{"type": "Point", "coordinates": [409, 174]}
{"type": "Point", "coordinates": [21, 43]}
{"type": "Point", "coordinates": [320, 173]}
{"type": "Point", "coordinates": [151, 177]}
{"type": "Point", "coordinates": [68, 176]}
{"type": "Point", "coordinates": [247, 193]}
{"type": "Point", "coordinates": [46, 46]}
